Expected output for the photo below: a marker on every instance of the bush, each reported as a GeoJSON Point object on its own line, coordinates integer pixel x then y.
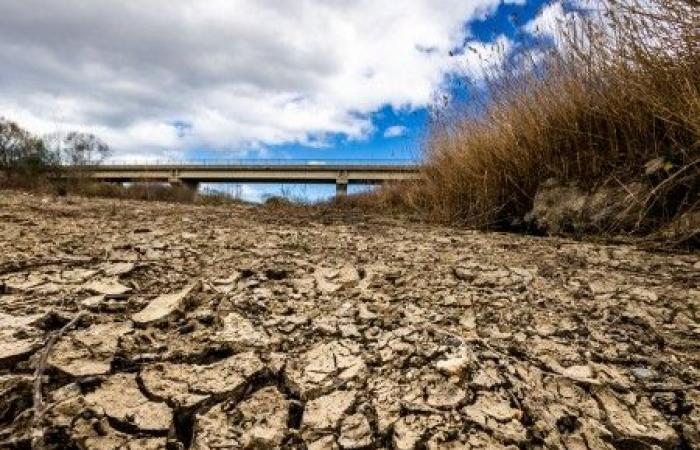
{"type": "Point", "coordinates": [620, 88]}
{"type": "Point", "coordinates": [24, 160]}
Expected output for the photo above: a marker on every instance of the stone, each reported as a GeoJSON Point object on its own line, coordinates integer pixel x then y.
{"type": "Point", "coordinates": [163, 307]}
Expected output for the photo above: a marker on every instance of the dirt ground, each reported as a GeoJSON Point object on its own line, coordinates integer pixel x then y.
{"type": "Point", "coordinates": [172, 326]}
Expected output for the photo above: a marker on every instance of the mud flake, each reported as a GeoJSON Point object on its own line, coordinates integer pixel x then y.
{"type": "Point", "coordinates": [409, 431]}
{"type": "Point", "coordinates": [325, 443]}
{"type": "Point", "coordinates": [108, 288]}
{"type": "Point", "coordinates": [325, 366]}
{"type": "Point", "coordinates": [355, 432]}
{"type": "Point", "coordinates": [445, 395]}
{"type": "Point", "coordinates": [455, 365]}
{"type": "Point", "coordinates": [188, 384]}
{"type": "Point", "coordinates": [120, 399]}
{"type": "Point", "coordinates": [18, 337]}
{"type": "Point", "coordinates": [259, 422]}
{"type": "Point", "coordinates": [96, 433]}
{"type": "Point", "coordinates": [240, 334]}
{"type": "Point", "coordinates": [323, 414]}
{"type": "Point", "coordinates": [648, 425]}
{"type": "Point", "coordinates": [90, 351]}
{"type": "Point", "coordinates": [163, 307]}
{"type": "Point", "coordinates": [118, 269]}
{"type": "Point", "coordinates": [494, 412]}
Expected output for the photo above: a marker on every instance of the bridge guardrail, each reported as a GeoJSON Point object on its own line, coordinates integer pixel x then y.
{"type": "Point", "coordinates": [281, 162]}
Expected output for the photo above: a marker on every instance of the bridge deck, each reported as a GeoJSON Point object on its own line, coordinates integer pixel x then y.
{"type": "Point", "coordinates": [192, 174]}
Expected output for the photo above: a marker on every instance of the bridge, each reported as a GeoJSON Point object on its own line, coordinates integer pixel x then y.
{"type": "Point", "coordinates": [191, 173]}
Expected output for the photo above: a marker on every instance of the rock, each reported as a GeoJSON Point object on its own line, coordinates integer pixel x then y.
{"type": "Point", "coordinates": [121, 400]}
{"type": "Point", "coordinates": [355, 432]}
{"type": "Point", "coordinates": [89, 351]}
{"type": "Point", "coordinates": [322, 415]}
{"type": "Point", "coordinates": [108, 288]}
{"type": "Point", "coordinates": [187, 385]}
{"type": "Point", "coordinates": [324, 367]}
{"type": "Point", "coordinates": [163, 307]}
{"type": "Point", "coordinates": [257, 423]}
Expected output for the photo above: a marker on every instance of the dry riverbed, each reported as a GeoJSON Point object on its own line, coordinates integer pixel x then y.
{"type": "Point", "coordinates": [232, 327]}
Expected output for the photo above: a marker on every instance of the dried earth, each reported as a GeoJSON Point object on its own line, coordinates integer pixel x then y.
{"type": "Point", "coordinates": [234, 327]}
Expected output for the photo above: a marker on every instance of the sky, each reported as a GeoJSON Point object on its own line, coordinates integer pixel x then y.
{"type": "Point", "coordinates": [230, 79]}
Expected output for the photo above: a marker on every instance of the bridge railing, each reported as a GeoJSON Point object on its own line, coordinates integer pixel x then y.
{"type": "Point", "coordinates": [262, 162]}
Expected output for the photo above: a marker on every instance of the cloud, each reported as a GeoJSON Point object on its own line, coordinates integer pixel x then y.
{"type": "Point", "coordinates": [164, 76]}
{"type": "Point", "coordinates": [395, 131]}
{"type": "Point", "coordinates": [549, 21]}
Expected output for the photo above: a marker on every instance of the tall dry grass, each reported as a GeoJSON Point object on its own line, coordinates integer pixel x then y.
{"type": "Point", "coordinates": [620, 87]}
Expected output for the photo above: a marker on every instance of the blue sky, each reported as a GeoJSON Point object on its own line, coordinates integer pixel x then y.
{"type": "Point", "coordinates": [185, 79]}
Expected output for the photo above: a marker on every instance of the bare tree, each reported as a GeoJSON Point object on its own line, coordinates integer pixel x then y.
{"type": "Point", "coordinates": [19, 147]}
{"type": "Point", "coordinates": [78, 149]}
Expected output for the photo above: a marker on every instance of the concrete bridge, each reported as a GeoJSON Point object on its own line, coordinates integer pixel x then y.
{"type": "Point", "coordinates": [192, 173]}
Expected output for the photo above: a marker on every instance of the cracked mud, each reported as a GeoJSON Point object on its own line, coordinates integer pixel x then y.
{"type": "Point", "coordinates": [231, 327]}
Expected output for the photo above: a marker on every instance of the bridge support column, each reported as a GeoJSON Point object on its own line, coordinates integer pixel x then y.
{"type": "Point", "coordinates": [341, 189]}
{"type": "Point", "coordinates": [189, 184]}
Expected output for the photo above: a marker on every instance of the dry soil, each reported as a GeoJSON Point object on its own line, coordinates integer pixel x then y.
{"type": "Point", "coordinates": [238, 327]}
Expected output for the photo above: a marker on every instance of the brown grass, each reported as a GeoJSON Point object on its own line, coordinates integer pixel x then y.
{"type": "Point", "coordinates": [623, 87]}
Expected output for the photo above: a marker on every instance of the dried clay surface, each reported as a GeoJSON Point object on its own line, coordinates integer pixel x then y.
{"type": "Point", "coordinates": [241, 327]}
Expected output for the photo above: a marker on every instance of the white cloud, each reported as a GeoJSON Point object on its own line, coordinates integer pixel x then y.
{"type": "Point", "coordinates": [549, 21]}
{"type": "Point", "coordinates": [242, 73]}
{"type": "Point", "coordinates": [395, 131]}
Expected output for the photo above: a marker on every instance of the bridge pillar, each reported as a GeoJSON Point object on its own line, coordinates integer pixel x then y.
{"type": "Point", "coordinates": [341, 184]}
{"type": "Point", "coordinates": [189, 184]}
{"type": "Point", "coordinates": [341, 189]}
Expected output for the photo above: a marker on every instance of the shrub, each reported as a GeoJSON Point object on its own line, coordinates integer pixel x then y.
{"type": "Point", "coordinates": [619, 88]}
